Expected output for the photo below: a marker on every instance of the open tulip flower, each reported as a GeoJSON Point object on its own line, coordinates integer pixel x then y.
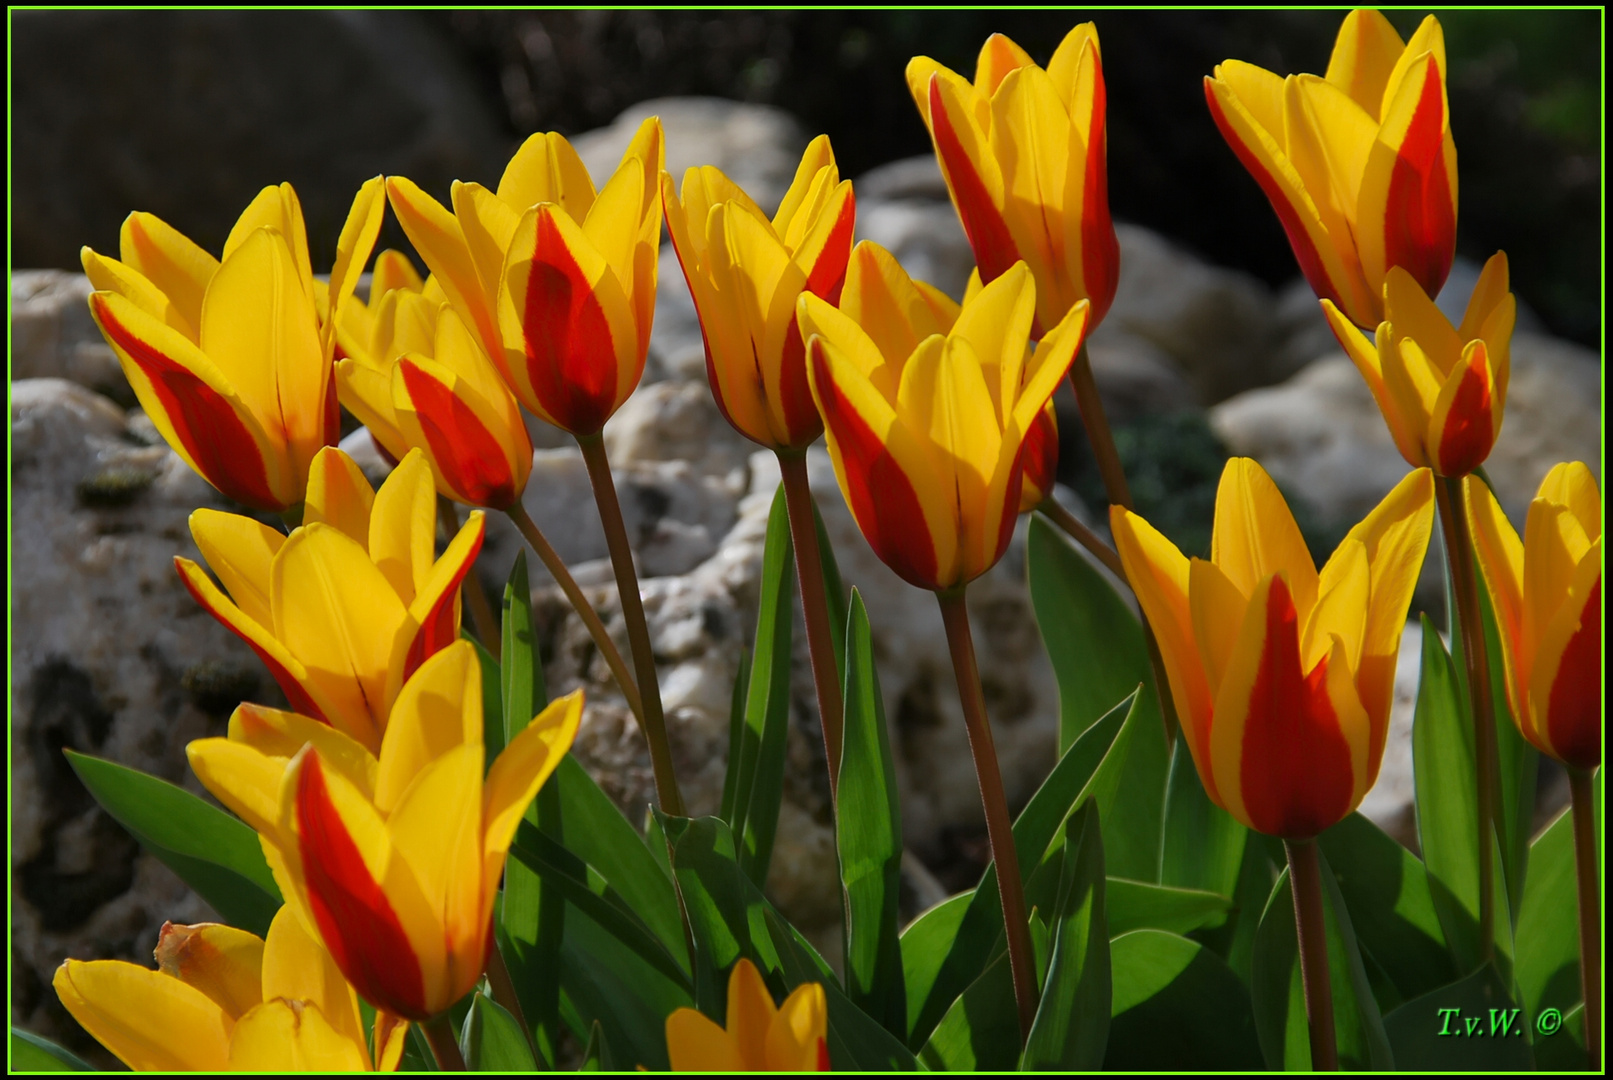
{"type": "Point", "coordinates": [760, 1037]}
{"type": "Point", "coordinates": [1359, 164]}
{"type": "Point", "coordinates": [394, 859]}
{"type": "Point", "coordinates": [1441, 388]}
{"type": "Point", "coordinates": [555, 280]}
{"type": "Point", "coordinates": [927, 409]}
{"type": "Point", "coordinates": [1547, 591]}
{"type": "Point", "coordinates": [1025, 155]}
{"type": "Point", "coordinates": [347, 606]}
{"type": "Point", "coordinates": [397, 317]}
{"type": "Point", "coordinates": [222, 999]}
{"type": "Point", "coordinates": [745, 272]}
{"type": "Point", "coordinates": [1283, 677]}
{"type": "Point", "coordinates": [232, 359]}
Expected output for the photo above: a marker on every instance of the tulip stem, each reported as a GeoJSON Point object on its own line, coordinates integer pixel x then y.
{"type": "Point", "coordinates": [638, 630]}
{"type": "Point", "coordinates": [503, 987]}
{"type": "Point", "coordinates": [999, 826]}
{"type": "Point", "coordinates": [1099, 436]}
{"type": "Point", "coordinates": [1060, 515]}
{"type": "Point", "coordinates": [568, 584]}
{"type": "Point", "coordinates": [1459, 551]}
{"type": "Point", "coordinates": [1305, 881]}
{"type": "Point", "coordinates": [815, 606]}
{"type": "Point", "coordinates": [1590, 909]}
{"type": "Point", "coordinates": [444, 1047]}
{"type": "Point", "coordinates": [481, 612]}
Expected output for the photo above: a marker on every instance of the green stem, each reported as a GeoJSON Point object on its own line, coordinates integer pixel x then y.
{"type": "Point", "coordinates": [481, 612]}
{"type": "Point", "coordinates": [1459, 553]}
{"type": "Point", "coordinates": [1305, 881]}
{"type": "Point", "coordinates": [1590, 910]}
{"type": "Point", "coordinates": [503, 987]}
{"type": "Point", "coordinates": [638, 630]}
{"type": "Point", "coordinates": [999, 826]}
{"type": "Point", "coordinates": [815, 606]}
{"type": "Point", "coordinates": [440, 1035]}
{"type": "Point", "coordinates": [579, 603]}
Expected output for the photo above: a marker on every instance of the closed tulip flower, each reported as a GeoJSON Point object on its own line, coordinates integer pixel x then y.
{"type": "Point", "coordinates": [377, 331]}
{"type": "Point", "coordinates": [927, 409]}
{"type": "Point", "coordinates": [347, 606]}
{"type": "Point", "coordinates": [393, 858]}
{"type": "Point", "coordinates": [1283, 677]}
{"type": "Point", "coordinates": [1547, 592]}
{"type": "Point", "coordinates": [232, 359]}
{"type": "Point", "coordinates": [760, 1036]}
{"type": "Point", "coordinates": [1359, 164]}
{"type": "Point", "coordinates": [1441, 388]}
{"type": "Point", "coordinates": [1025, 156]}
{"type": "Point", "coordinates": [223, 999]}
{"type": "Point", "coordinates": [745, 271]}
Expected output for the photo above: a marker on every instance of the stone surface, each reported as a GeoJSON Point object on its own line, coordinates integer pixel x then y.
{"type": "Point", "coordinates": [110, 657]}
{"type": "Point", "coordinates": [53, 335]}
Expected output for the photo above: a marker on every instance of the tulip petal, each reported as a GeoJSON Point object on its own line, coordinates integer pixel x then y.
{"type": "Point", "coordinates": [750, 1012]}
{"type": "Point", "coordinates": [892, 311]}
{"type": "Point", "coordinates": [1255, 535]}
{"type": "Point", "coordinates": [435, 610]}
{"type": "Point", "coordinates": [694, 1043]}
{"type": "Point", "coordinates": [519, 772]}
{"type": "Point", "coordinates": [455, 423]}
{"type": "Point", "coordinates": [353, 247]}
{"type": "Point", "coordinates": [1367, 358]}
{"type": "Point", "coordinates": [242, 778]}
{"type": "Point", "coordinates": [150, 1021]}
{"type": "Point", "coordinates": [972, 174]}
{"type": "Point", "coordinates": [297, 967]}
{"type": "Point", "coordinates": [441, 242]}
{"type": "Point", "coordinates": [403, 525]}
{"type": "Point", "coordinates": [795, 1038]}
{"type": "Point", "coordinates": [275, 207]}
{"type": "Point", "coordinates": [1500, 558]}
{"type": "Point", "coordinates": [1088, 226]}
{"type": "Point", "coordinates": [488, 224]}
{"type": "Point", "coordinates": [546, 169]}
{"type": "Point", "coordinates": [239, 549]}
{"type": "Point", "coordinates": [222, 962]}
{"type": "Point", "coordinates": [393, 270]}
{"type": "Point", "coordinates": [1363, 56]}
{"type": "Point", "coordinates": [1040, 459]}
{"type": "Point", "coordinates": [1466, 417]}
{"type": "Point", "coordinates": [292, 1036]}
{"type": "Point", "coordinates": [338, 495]}
{"type": "Point", "coordinates": [1567, 678]}
{"type": "Point", "coordinates": [277, 733]}
{"type": "Point", "coordinates": [1339, 618]}
{"type": "Point", "coordinates": [1217, 608]}
{"type": "Point", "coordinates": [110, 275]}
{"type": "Point", "coordinates": [1030, 139]}
{"type": "Point", "coordinates": [438, 709]}
{"type": "Point", "coordinates": [996, 324]}
{"type": "Point", "coordinates": [171, 261]}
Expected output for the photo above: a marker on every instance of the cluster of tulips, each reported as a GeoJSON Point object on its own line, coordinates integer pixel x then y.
{"type": "Point", "coordinates": [440, 885]}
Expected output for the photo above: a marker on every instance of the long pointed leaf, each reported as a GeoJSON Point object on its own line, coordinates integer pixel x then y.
{"type": "Point", "coordinates": [1177, 1007]}
{"type": "Point", "coordinates": [1072, 1020]}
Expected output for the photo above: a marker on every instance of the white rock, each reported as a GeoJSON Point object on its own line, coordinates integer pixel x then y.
{"type": "Point", "coordinates": [53, 335]}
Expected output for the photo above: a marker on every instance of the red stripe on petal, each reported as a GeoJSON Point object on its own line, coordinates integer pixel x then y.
{"type": "Point", "coordinates": [880, 494]}
{"type": "Point", "coordinates": [1100, 248]}
{"type": "Point", "coordinates": [1469, 426]}
{"type": "Point", "coordinates": [1574, 714]}
{"type": "Point", "coordinates": [1419, 221]}
{"type": "Point", "coordinates": [440, 628]}
{"type": "Point", "coordinates": [827, 274]}
{"type": "Point", "coordinates": [333, 413]}
{"type": "Point", "coordinates": [570, 354]}
{"type": "Point", "coordinates": [1295, 771]}
{"type": "Point", "coordinates": [355, 918]}
{"type": "Point", "coordinates": [823, 1055]}
{"type": "Point", "coordinates": [1039, 459]}
{"type": "Point", "coordinates": [800, 411]}
{"type": "Point", "coordinates": [296, 695]}
{"type": "Point", "coordinates": [472, 460]}
{"type": "Point", "coordinates": [983, 222]}
{"type": "Point", "coordinates": [224, 451]}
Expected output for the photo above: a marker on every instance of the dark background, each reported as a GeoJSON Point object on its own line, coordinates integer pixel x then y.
{"type": "Point", "coordinates": [188, 114]}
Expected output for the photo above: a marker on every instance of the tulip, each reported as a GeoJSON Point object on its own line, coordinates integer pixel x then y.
{"type": "Point", "coordinates": [344, 609]}
{"type": "Point", "coordinates": [1547, 594]}
{"type": "Point", "coordinates": [393, 859]}
{"type": "Point", "coordinates": [224, 999]}
{"type": "Point", "coordinates": [744, 273]}
{"type": "Point", "coordinates": [760, 1037]}
{"type": "Point", "coordinates": [557, 283]}
{"type": "Point", "coordinates": [367, 331]}
{"type": "Point", "coordinates": [1359, 165]}
{"type": "Point", "coordinates": [1283, 677]}
{"type": "Point", "coordinates": [927, 407]}
{"type": "Point", "coordinates": [1441, 389]}
{"type": "Point", "coordinates": [232, 359]}
{"type": "Point", "coordinates": [1025, 156]}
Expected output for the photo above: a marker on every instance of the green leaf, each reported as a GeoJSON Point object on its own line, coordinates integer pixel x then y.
{"type": "Point", "coordinates": [759, 777]}
{"type": "Point", "coordinates": [521, 684]}
{"type": "Point", "coordinates": [1471, 1024]}
{"type": "Point", "coordinates": [491, 1040]}
{"type": "Point", "coordinates": [35, 1053]}
{"type": "Point", "coordinates": [1547, 967]}
{"type": "Point", "coordinates": [1564, 1050]}
{"type": "Point", "coordinates": [1072, 1018]}
{"type": "Point", "coordinates": [1177, 1007]}
{"type": "Point", "coordinates": [834, 591]}
{"type": "Point", "coordinates": [1391, 905]}
{"type": "Point", "coordinates": [1202, 845]}
{"type": "Point", "coordinates": [593, 1053]}
{"type": "Point", "coordinates": [1091, 766]}
{"type": "Point", "coordinates": [1099, 657]}
{"type": "Point", "coordinates": [603, 981]}
{"type": "Point", "coordinates": [214, 853]}
{"type": "Point", "coordinates": [1135, 905]}
{"type": "Point", "coordinates": [926, 944]}
{"type": "Point", "coordinates": [492, 706]}
{"type": "Point", "coordinates": [980, 1031]}
{"type": "Point", "coordinates": [1279, 995]}
{"type": "Point", "coordinates": [736, 736]}
{"type": "Point", "coordinates": [868, 829]}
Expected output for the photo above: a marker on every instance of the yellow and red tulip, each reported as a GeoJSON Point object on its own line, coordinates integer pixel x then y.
{"type": "Point", "coordinates": [347, 606]}
{"type": "Point", "coordinates": [1547, 593]}
{"type": "Point", "coordinates": [1441, 388]}
{"type": "Point", "coordinates": [398, 317]}
{"type": "Point", "coordinates": [232, 359]}
{"type": "Point", "coordinates": [557, 282]}
{"type": "Point", "coordinates": [222, 999]}
{"type": "Point", "coordinates": [1283, 677]}
{"type": "Point", "coordinates": [760, 1036]}
{"type": "Point", "coordinates": [395, 858]}
{"type": "Point", "coordinates": [1359, 164]}
{"type": "Point", "coordinates": [927, 409]}
{"type": "Point", "coordinates": [1025, 155]}
{"type": "Point", "coordinates": [1041, 462]}
{"type": "Point", "coordinates": [745, 272]}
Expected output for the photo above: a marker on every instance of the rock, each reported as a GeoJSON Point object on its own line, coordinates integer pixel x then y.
{"type": "Point", "coordinates": [113, 658]}
{"type": "Point", "coordinates": [1135, 378]}
{"type": "Point", "coordinates": [757, 146]}
{"type": "Point", "coordinates": [678, 421]}
{"type": "Point", "coordinates": [1553, 414]}
{"type": "Point", "coordinates": [169, 111]}
{"type": "Point", "coordinates": [54, 337]}
{"type": "Point", "coordinates": [677, 349]}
